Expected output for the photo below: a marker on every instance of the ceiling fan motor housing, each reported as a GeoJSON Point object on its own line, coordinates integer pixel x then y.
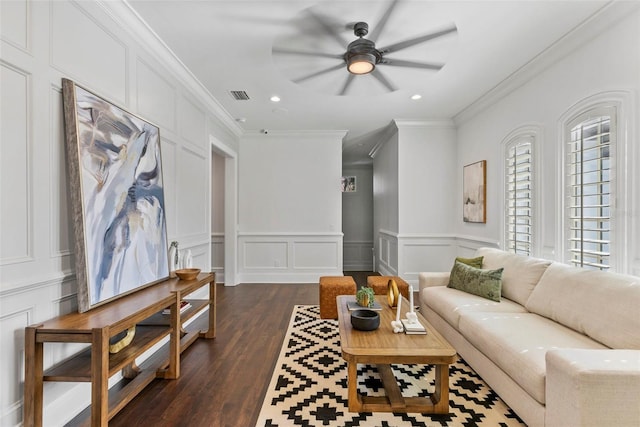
{"type": "Point", "coordinates": [362, 49]}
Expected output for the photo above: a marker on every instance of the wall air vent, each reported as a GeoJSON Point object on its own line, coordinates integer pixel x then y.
{"type": "Point", "coordinates": [239, 95]}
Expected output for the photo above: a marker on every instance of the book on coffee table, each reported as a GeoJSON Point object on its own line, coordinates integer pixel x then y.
{"type": "Point", "coordinates": [413, 328]}
{"type": "Point", "coordinates": [353, 305]}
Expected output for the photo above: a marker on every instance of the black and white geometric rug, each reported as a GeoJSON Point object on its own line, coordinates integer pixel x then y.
{"type": "Point", "coordinates": [309, 385]}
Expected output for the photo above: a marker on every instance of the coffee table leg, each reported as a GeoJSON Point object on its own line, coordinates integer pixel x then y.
{"type": "Point", "coordinates": [355, 404]}
{"type": "Point", "coordinates": [440, 396]}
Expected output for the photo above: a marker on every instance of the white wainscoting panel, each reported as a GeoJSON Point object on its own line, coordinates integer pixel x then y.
{"type": "Point", "coordinates": [288, 257]}
{"type": "Point", "coordinates": [16, 166]}
{"type": "Point", "coordinates": [156, 97]}
{"type": "Point", "coordinates": [358, 255]}
{"type": "Point", "coordinates": [217, 256]}
{"type": "Point", "coordinates": [169, 168]}
{"type": "Point", "coordinates": [315, 255]}
{"type": "Point", "coordinates": [192, 123]}
{"type": "Point", "coordinates": [467, 245]}
{"type": "Point", "coordinates": [102, 56]}
{"type": "Point", "coordinates": [192, 200]}
{"type": "Point", "coordinates": [387, 264]}
{"type": "Point", "coordinates": [15, 17]}
{"type": "Point", "coordinates": [424, 253]}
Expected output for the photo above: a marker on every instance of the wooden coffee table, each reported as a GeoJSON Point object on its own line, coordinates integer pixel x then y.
{"type": "Point", "coordinates": [382, 347]}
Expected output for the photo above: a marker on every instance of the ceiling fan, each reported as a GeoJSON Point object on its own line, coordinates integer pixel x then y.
{"type": "Point", "coordinates": [362, 56]}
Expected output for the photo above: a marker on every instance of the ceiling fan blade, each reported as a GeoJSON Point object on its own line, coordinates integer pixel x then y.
{"type": "Point", "coordinates": [382, 79]}
{"type": "Point", "coordinates": [347, 83]}
{"type": "Point", "coordinates": [306, 53]}
{"type": "Point", "coordinates": [413, 64]}
{"type": "Point", "coordinates": [377, 29]}
{"type": "Point", "coordinates": [326, 27]}
{"type": "Point", "coordinates": [414, 41]}
{"type": "Point", "coordinates": [317, 73]}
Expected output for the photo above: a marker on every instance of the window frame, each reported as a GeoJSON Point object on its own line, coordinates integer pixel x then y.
{"type": "Point", "coordinates": [617, 104]}
{"type": "Point", "coordinates": [533, 134]}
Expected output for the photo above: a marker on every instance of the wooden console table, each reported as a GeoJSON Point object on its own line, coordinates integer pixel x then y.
{"type": "Point", "coordinates": [142, 309]}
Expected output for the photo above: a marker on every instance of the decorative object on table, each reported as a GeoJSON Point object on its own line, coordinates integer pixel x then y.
{"type": "Point", "coordinates": [411, 324]}
{"type": "Point", "coordinates": [365, 297]}
{"type": "Point", "coordinates": [184, 306]}
{"type": "Point", "coordinates": [116, 189]}
{"type": "Point", "coordinates": [393, 295]}
{"type": "Point", "coordinates": [174, 257]}
{"type": "Point", "coordinates": [365, 320]}
{"type": "Point", "coordinates": [121, 340]}
{"type": "Point", "coordinates": [397, 324]}
{"type": "Point", "coordinates": [474, 192]}
{"type": "Point", "coordinates": [187, 259]}
{"type": "Point", "coordinates": [187, 273]}
{"type": "Point", "coordinates": [353, 305]}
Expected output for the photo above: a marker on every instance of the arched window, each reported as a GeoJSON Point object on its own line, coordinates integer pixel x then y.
{"type": "Point", "coordinates": [590, 147]}
{"type": "Point", "coordinates": [596, 185]}
{"type": "Point", "coordinates": [519, 186]}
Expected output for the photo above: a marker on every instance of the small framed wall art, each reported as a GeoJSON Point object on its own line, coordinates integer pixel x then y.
{"type": "Point", "coordinates": [474, 192]}
{"type": "Point", "coordinates": [117, 198]}
{"type": "Point", "coordinates": [348, 184]}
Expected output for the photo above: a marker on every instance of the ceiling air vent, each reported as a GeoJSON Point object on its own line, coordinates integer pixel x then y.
{"type": "Point", "coordinates": [239, 95]}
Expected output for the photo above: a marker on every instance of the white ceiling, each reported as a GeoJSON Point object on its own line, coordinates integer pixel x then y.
{"type": "Point", "coordinates": [227, 45]}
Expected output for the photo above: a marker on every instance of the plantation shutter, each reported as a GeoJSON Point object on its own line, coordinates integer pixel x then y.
{"type": "Point", "coordinates": [589, 193]}
{"type": "Point", "coordinates": [518, 174]}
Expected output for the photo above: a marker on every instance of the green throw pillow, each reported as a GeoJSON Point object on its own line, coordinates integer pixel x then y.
{"type": "Point", "coordinates": [484, 283]}
{"type": "Point", "coordinates": [472, 262]}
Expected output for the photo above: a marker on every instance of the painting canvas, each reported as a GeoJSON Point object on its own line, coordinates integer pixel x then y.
{"type": "Point", "coordinates": [474, 190]}
{"type": "Point", "coordinates": [117, 197]}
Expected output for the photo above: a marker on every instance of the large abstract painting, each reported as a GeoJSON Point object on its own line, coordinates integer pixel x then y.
{"type": "Point", "coordinates": [117, 196]}
{"type": "Point", "coordinates": [474, 178]}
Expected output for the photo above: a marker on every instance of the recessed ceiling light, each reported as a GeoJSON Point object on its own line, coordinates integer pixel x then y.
{"type": "Point", "coordinates": [275, 98]}
{"type": "Point", "coordinates": [416, 96]}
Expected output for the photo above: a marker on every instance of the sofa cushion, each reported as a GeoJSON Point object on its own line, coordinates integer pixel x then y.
{"type": "Point", "coordinates": [517, 344]}
{"type": "Point", "coordinates": [450, 303]}
{"type": "Point", "coordinates": [521, 273]}
{"type": "Point", "coordinates": [484, 283]}
{"type": "Point", "coordinates": [471, 262]}
{"type": "Point", "coordinates": [602, 305]}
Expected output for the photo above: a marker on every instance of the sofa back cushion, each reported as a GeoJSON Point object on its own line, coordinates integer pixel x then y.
{"type": "Point", "coordinates": [604, 306]}
{"type": "Point", "coordinates": [520, 275]}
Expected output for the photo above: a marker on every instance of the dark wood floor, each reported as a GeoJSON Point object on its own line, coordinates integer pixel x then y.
{"type": "Point", "coordinates": [223, 381]}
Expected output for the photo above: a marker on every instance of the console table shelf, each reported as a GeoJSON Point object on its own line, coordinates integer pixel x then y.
{"type": "Point", "coordinates": [142, 309]}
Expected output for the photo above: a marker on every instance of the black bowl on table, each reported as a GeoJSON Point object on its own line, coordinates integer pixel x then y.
{"type": "Point", "coordinates": [365, 320]}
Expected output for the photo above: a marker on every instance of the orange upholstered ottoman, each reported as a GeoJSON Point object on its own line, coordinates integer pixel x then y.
{"type": "Point", "coordinates": [380, 285]}
{"type": "Point", "coordinates": [330, 288]}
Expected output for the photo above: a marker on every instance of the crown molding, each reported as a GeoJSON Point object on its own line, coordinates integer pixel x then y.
{"type": "Point", "coordinates": [599, 22]}
{"type": "Point", "coordinates": [132, 23]}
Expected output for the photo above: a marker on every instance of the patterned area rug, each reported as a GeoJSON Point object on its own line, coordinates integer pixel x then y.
{"type": "Point", "coordinates": [309, 385]}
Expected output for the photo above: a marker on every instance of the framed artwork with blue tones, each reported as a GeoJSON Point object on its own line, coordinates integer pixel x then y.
{"type": "Point", "coordinates": [117, 198]}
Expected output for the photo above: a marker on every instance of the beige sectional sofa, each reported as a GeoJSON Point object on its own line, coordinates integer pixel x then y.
{"type": "Point", "coordinates": [561, 348]}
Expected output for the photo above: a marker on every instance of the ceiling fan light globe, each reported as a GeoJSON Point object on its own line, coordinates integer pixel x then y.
{"type": "Point", "coordinates": [361, 64]}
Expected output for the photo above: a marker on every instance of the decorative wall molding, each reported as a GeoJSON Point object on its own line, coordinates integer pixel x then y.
{"type": "Point", "coordinates": [288, 257]}
{"type": "Point", "coordinates": [358, 255]}
{"type": "Point", "coordinates": [601, 20]}
{"type": "Point", "coordinates": [132, 23]}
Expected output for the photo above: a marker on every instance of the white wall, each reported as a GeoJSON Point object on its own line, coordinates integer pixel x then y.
{"type": "Point", "coordinates": [217, 215]}
{"type": "Point", "coordinates": [357, 220]}
{"type": "Point", "coordinates": [385, 202]}
{"type": "Point", "coordinates": [573, 71]}
{"type": "Point", "coordinates": [427, 176]}
{"type": "Point", "coordinates": [414, 187]}
{"type": "Point", "coordinates": [92, 44]}
{"type": "Point", "coordinates": [289, 207]}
